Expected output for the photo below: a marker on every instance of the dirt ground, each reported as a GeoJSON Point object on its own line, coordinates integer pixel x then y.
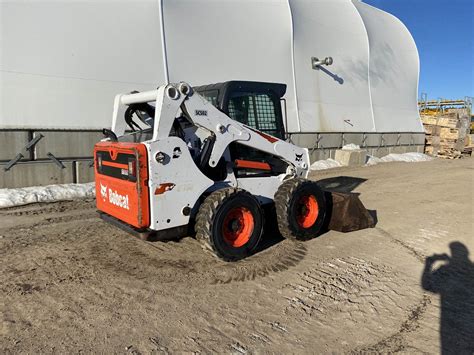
{"type": "Point", "coordinates": [70, 283]}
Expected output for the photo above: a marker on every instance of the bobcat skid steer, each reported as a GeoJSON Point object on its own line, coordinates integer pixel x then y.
{"type": "Point", "coordinates": [211, 157]}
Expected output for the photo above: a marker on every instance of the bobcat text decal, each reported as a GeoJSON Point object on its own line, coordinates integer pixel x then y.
{"type": "Point", "coordinates": [114, 197]}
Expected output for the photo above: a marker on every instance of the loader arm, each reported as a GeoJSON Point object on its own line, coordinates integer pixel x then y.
{"type": "Point", "coordinates": [226, 130]}
{"type": "Point", "coordinates": [172, 98]}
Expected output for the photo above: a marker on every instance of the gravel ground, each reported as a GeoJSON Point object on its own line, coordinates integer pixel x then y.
{"type": "Point", "coordinates": [70, 283]}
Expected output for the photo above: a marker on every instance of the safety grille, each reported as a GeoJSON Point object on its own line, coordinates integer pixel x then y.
{"type": "Point", "coordinates": [256, 111]}
{"type": "Point", "coordinates": [211, 96]}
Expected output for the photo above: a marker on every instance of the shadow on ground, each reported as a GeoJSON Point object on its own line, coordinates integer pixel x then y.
{"type": "Point", "coordinates": [454, 282]}
{"type": "Point", "coordinates": [341, 183]}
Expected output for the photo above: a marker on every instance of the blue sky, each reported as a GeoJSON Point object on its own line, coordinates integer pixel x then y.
{"type": "Point", "coordinates": [444, 33]}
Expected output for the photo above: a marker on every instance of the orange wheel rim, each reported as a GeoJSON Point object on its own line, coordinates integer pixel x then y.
{"type": "Point", "coordinates": [307, 211]}
{"type": "Point", "coordinates": [238, 226]}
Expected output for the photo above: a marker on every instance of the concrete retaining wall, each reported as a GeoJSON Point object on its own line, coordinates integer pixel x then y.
{"type": "Point", "coordinates": [12, 143]}
{"type": "Point", "coordinates": [74, 150]}
{"type": "Point", "coordinates": [66, 144]}
{"type": "Point", "coordinates": [364, 140]}
{"type": "Point", "coordinates": [84, 170]}
{"type": "Point", "coordinates": [36, 174]}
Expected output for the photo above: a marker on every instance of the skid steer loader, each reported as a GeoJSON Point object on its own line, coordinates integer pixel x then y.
{"type": "Point", "coordinates": [211, 157]}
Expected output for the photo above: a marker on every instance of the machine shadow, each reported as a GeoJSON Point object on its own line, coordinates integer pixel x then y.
{"type": "Point", "coordinates": [454, 283]}
{"type": "Point", "coordinates": [341, 183]}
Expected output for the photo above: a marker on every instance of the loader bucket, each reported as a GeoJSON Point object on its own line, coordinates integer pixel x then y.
{"type": "Point", "coordinates": [346, 213]}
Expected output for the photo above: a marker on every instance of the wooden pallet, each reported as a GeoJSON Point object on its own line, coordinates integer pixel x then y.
{"type": "Point", "coordinates": [447, 134]}
{"type": "Point", "coordinates": [432, 140]}
{"type": "Point", "coordinates": [450, 133]}
{"type": "Point", "coordinates": [432, 130]}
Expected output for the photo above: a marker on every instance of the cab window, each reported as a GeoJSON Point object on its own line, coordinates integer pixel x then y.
{"type": "Point", "coordinates": [257, 111]}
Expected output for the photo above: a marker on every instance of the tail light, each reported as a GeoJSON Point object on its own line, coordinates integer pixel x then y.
{"type": "Point", "coordinates": [99, 163]}
{"type": "Point", "coordinates": [132, 167]}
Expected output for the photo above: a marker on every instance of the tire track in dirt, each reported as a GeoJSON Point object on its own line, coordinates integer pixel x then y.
{"type": "Point", "coordinates": [112, 253]}
{"type": "Point", "coordinates": [351, 288]}
{"type": "Point", "coordinates": [416, 253]}
{"type": "Point", "coordinates": [284, 255]}
{"type": "Point", "coordinates": [47, 208]}
{"type": "Point", "coordinates": [30, 216]}
{"type": "Point", "coordinates": [185, 263]}
{"type": "Point", "coordinates": [395, 343]}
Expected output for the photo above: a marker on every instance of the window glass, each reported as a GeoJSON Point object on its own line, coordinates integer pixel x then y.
{"type": "Point", "coordinates": [210, 95]}
{"type": "Point", "coordinates": [256, 111]}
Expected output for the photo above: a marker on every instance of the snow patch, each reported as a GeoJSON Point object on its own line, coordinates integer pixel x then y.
{"type": "Point", "coordinates": [325, 164]}
{"type": "Point", "coordinates": [405, 157]}
{"type": "Point", "coordinates": [351, 147]}
{"type": "Point", "coordinates": [50, 193]}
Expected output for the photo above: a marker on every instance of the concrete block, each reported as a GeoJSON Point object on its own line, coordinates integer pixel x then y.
{"type": "Point", "coordinates": [12, 143]}
{"type": "Point", "coordinates": [353, 138]}
{"type": "Point", "coordinates": [330, 140]}
{"type": "Point", "coordinates": [351, 157]}
{"type": "Point", "coordinates": [84, 171]}
{"type": "Point", "coordinates": [319, 154]}
{"type": "Point", "coordinates": [36, 174]}
{"type": "Point", "coordinates": [305, 140]}
{"type": "Point", "coordinates": [66, 144]}
{"type": "Point", "coordinates": [390, 139]}
{"type": "Point", "coordinates": [380, 152]}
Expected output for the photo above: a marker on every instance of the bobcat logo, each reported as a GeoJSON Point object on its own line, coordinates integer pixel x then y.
{"type": "Point", "coordinates": [114, 197]}
{"type": "Point", "coordinates": [298, 157]}
{"type": "Point", "coordinates": [103, 191]}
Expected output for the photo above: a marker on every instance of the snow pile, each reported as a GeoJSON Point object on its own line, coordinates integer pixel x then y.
{"type": "Point", "coordinates": [325, 164]}
{"type": "Point", "coordinates": [351, 147]}
{"type": "Point", "coordinates": [50, 193]}
{"type": "Point", "coordinates": [405, 157]}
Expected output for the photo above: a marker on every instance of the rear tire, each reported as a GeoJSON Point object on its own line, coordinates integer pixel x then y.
{"type": "Point", "coordinates": [230, 223]}
{"type": "Point", "coordinates": [301, 209]}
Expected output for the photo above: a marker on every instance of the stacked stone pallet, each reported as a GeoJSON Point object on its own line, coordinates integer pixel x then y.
{"type": "Point", "coordinates": [447, 134]}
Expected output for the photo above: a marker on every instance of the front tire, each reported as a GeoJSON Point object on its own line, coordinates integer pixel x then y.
{"type": "Point", "coordinates": [301, 209]}
{"type": "Point", "coordinates": [230, 223]}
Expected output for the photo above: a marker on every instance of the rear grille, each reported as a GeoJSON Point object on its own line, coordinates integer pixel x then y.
{"type": "Point", "coordinates": [118, 168]}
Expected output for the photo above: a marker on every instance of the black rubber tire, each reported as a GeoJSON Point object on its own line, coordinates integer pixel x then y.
{"type": "Point", "coordinates": [210, 221]}
{"type": "Point", "coordinates": [286, 202]}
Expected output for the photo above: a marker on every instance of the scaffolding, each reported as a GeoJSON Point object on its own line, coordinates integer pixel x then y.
{"type": "Point", "coordinates": [440, 106]}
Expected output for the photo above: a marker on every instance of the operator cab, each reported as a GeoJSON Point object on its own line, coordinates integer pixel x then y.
{"type": "Point", "coordinates": [257, 105]}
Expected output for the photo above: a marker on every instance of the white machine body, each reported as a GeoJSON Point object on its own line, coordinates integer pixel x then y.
{"type": "Point", "coordinates": [176, 184]}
